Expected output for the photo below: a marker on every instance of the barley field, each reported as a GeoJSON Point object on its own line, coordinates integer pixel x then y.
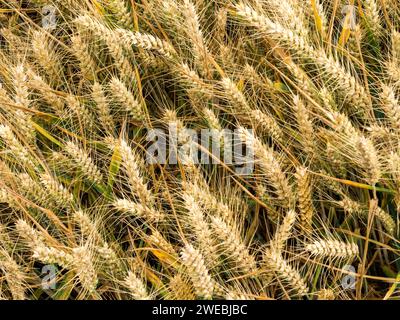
{"type": "Point", "coordinates": [199, 149]}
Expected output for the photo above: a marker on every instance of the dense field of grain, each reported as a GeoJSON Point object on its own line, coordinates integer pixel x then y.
{"type": "Point", "coordinates": [199, 149]}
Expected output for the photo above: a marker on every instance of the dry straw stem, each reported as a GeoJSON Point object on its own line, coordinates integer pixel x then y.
{"type": "Point", "coordinates": [198, 272]}
{"type": "Point", "coordinates": [333, 249]}
{"type": "Point", "coordinates": [286, 272]}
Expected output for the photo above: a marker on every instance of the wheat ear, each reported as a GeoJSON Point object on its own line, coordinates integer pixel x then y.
{"type": "Point", "coordinates": [286, 272]}
{"type": "Point", "coordinates": [83, 265]}
{"type": "Point", "coordinates": [201, 229]}
{"type": "Point", "coordinates": [284, 231]}
{"type": "Point", "coordinates": [305, 125]}
{"type": "Point", "coordinates": [84, 162]}
{"type": "Point", "coordinates": [269, 165]}
{"type": "Point", "coordinates": [126, 99]}
{"type": "Point", "coordinates": [86, 62]}
{"type": "Point", "coordinates": [390, 104]}
{"type": "Point", "coordinates": [56, 190]}
{"type": "Point", "coordinates": [197, 271]}
{"type": "Point", "coordinates": [16, 148]}
{"type": "Point", "coordinates": [122, 14]}
{"type": "Point", "coordinates": [103, 108]}
{"type": "Point", "coordinates": [46, 56]}
{"type": "Point", "coordinates": [305, 204]}
{"type": "Point", "coordinates": [137, 209]}
{"type": "Point", "coordinates": [193, 30]}
{"type": "Point", "coordinates": [81, 112]}
{"type": "Point", "coordinates": [136, 287]}
{"type": "Point", "coordinates": [146, 41]}
{"type": "Point", "coordinates": [326, 294]}
{"type": "Point", "coordinates": [131, 166]}
{"type": "Point", "coordinates": [180, 289]}
{"type": "Point", "coordinates": [354, 90]}
{"type": "Point", "coordinates": [333, 249]}
{"type": "Point", "coordinates": [233, 246]}
{"type": "Point", "coordinates": [14, 275]}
